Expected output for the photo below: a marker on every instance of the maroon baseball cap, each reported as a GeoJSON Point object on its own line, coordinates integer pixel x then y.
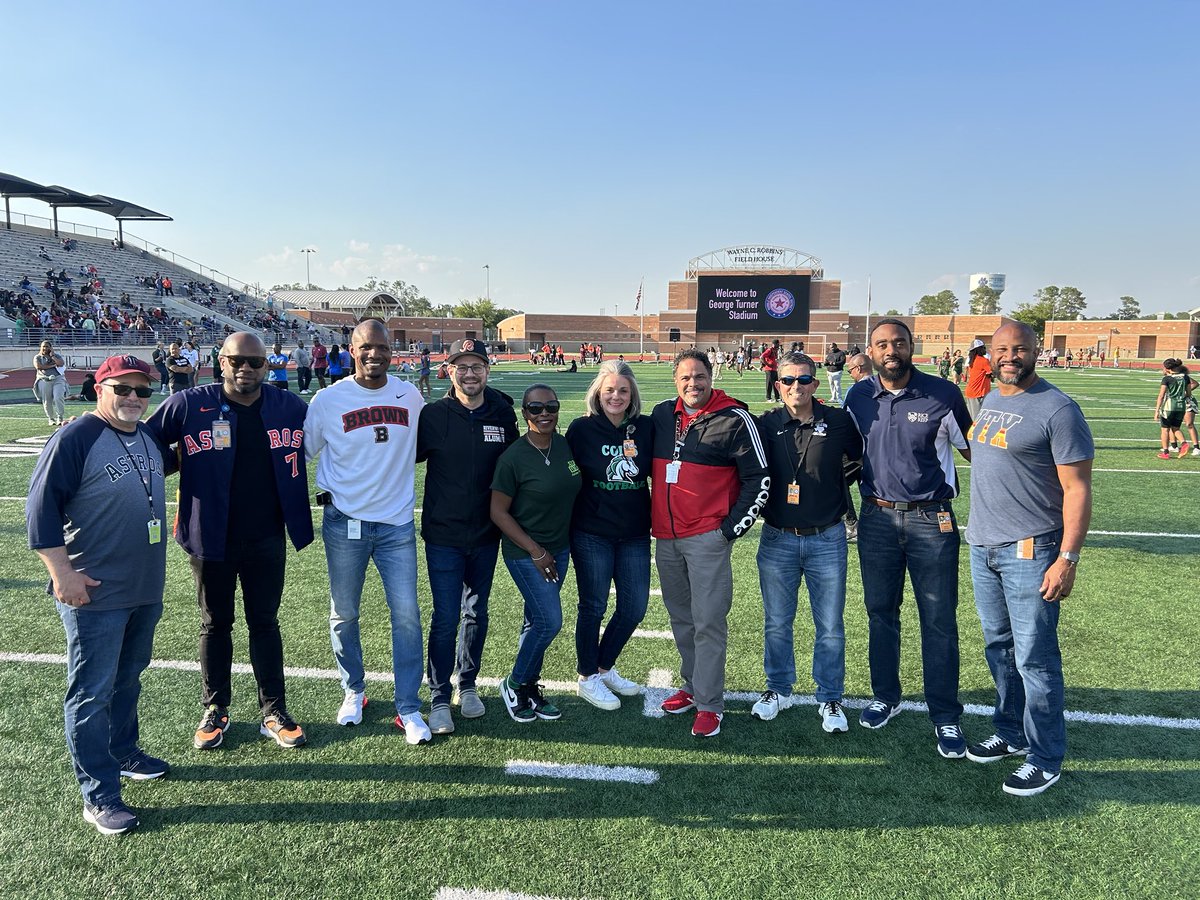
{"type": "Point", "coordinates": [115, 366]}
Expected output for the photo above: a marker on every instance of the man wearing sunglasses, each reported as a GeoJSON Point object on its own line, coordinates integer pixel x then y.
{"type": "Point", "coordinates": [96, 506]}
{"type": "Point", "coordinates": [243, 486]}
{"type": "Point", "coordinates": [460, 438]}
{"type": "Point", "coordinates": [803, 538]}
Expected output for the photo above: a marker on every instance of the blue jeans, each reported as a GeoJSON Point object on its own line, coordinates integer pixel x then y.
{"type": "Point", "coordinates": [820, 559]}
{"type": "Point", "coordinates": [1020, 634]}
{"type": "Point", "coordinates": [890, 543]}
{"type": "Point", "coordinates": [394, 549]}
{"type": "Point", "coordinates": [543, 613]}
{"type": "Point", "coordinates": [460, 579]}
{"type": "Point", "coordinates": [107, 650]}
{"type": "Point", "coordinates": [599, 562]}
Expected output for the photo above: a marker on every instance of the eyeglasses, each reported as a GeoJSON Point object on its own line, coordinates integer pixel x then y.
{"type": "Point", "coordinates": [536, 409]}
{"type": "Point", "coordinates": [856, 368]}
{"type": "Point", "coordinates": [123, 390]}
{"type": "Point", "coordinates": [789, 380]}
{"type": "Point", "coordinates": [254, 362]}
{"type": "Point", "coordinates": [476, 369]}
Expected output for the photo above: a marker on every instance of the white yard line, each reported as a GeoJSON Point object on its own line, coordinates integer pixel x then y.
{"type": "Point", "coordinates": [645, 633]}
{"type": "Point", "coordinates": [580, 772]}
{"type": "Point", "coordinates": [654, 592]}
{"type": "Point", "coordinates": [450, 893]}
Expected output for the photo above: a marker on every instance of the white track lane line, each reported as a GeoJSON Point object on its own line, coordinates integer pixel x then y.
{"type": "Point", "coordinates": [450, 893]}
{"type": "Point", "coordinates": [580, 772]}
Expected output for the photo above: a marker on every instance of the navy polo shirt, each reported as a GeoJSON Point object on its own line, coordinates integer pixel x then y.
{"type": "Point", "coordinates": [909, 437]}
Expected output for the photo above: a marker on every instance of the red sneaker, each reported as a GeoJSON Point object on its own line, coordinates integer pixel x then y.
{"type": "Point", "coordinates": [1183, 449]}
{"type": "Point", "coordinates": [679, 702]}
{"type": "Point", "coordinates": [707, 724]}
{"type": "Point", "coordinates": [1163, 454]}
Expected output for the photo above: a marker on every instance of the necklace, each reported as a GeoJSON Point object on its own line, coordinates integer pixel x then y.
{"type": "Point", "coordinates": [546, 455]}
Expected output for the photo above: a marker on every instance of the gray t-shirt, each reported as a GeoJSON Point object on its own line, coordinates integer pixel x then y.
{"type": "Point", "coordinates": [1016, 443]}
{"type": "Point", "coordinates": [93, 491]}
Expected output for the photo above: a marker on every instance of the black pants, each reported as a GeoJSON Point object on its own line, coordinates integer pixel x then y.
{"type": "Point", "coordinates": [259, 566]}
{"type": "Point", "coordinates": [772, 384]}
{"type": "Point", "coordinates": [303, 378]}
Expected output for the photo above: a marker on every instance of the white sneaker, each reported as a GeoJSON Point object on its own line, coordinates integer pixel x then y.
{"type": "Point", "coordinates": [619, 684]}
{"type": "Point", "coordinates": [596, 692]}
{"type": "Point", "coordinates": [1196, 451]}
{"type": "Point", "coordinates": [351, 710]}
{"type": "Point", "coordinates": [833, 717]}
{"type": "Point", "coordinates": [769, 705]}
{"type": "Point", "coordinates": [414, 728]}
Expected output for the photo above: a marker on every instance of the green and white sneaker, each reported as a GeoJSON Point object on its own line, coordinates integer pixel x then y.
{"type": "Point", "coordinates": [516, 701]}
{"type": "Point", "coordinates": [542, 707]}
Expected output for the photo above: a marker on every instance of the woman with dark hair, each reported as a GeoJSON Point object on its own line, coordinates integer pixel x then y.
{"type": "Point", "coordinates": [533, 493]}
{"type": "Point", "coordinates": [979, 377]}
{"type": "Point", "coordinates": [610, 529]}
{"type": "Point", "coordinates": [335, 363]}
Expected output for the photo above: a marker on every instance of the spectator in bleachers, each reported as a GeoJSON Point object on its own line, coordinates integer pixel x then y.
{"type": "Point", "coordinates": [43, 254]}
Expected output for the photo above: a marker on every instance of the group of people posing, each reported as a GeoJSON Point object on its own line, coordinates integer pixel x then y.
{"type": "Point", "coordinates": [694, 473]}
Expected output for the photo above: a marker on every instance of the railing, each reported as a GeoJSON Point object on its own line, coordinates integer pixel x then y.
{"type": "Point", "coordinates": [149, 247]}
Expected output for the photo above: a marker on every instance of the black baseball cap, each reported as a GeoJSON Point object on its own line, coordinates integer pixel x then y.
{"type": "Point", "coordinates": [468, 347]}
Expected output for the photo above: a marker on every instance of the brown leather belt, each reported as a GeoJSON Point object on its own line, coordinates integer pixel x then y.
{"type": "Point", "coordinates": [808, 532]}
{"type": "Point", "coordinates": [903, 506]}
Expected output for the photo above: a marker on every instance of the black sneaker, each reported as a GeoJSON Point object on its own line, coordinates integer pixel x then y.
{"type": "Point", "coordinates": [282, 729]}
{"type": "Point", "coordinates": [992, 749]}
{"type": "Point", "coordinates": [542, 707]}
{"type": "Point", "coordinates": [211, 730]}
{"type": "Point", "coordinates": [112, 818]}
{"type": "Point", "coordinates": [516, 701]}
{"type": "Point", "coordinates": [1029, 780]}
{"type": "Point", "coordinates": [144, 767]}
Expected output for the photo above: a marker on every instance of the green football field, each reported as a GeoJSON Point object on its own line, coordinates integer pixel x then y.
{"type": "Point", "coordinates": [776, 809]}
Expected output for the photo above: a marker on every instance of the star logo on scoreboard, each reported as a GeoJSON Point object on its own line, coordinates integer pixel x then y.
{"type": "Point", "coordinates": [779, 303]}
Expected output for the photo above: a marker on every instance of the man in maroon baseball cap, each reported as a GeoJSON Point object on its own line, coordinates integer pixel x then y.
{"type": "Point", "coordinates": [97, 501]}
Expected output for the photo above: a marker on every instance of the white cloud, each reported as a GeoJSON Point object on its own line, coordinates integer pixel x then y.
{"type": "Point", "coordinates": [349, 267]}
{"type": "Point", "coordinates": [358, 246]}
{"type": "Point", "coordinates": [286, 255]}
{"type": "Point", "coordinates": [945, 282]}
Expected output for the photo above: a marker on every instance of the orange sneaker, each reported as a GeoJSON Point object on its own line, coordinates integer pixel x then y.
{"type": "Point", "coordinates": [211, 730]}
{"type": "Point", "coordinates": [283, 730]}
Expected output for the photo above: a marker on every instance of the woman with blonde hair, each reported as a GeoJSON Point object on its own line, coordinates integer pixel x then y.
{"type": "Point", "coordinates": [610, 528]}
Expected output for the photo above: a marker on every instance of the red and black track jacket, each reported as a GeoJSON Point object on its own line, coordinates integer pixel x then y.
{"type": "Point", "coordinates": [723, 480]}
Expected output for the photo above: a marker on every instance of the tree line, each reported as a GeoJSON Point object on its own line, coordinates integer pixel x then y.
{"type": "Point", "coordinates": [417, 304]}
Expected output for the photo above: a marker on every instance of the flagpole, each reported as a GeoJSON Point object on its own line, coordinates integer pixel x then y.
{"type": "Point", "coordinates": [641, 322]}
{"type": "Point", "coordinates": [867, 330]}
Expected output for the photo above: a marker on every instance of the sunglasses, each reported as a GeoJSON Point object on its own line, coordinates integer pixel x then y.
{"type": "Point", "coordinates": [123, 390]}
{"type": "Point", "coordinates": [255, 362]}
{"type": "Point", "coordinates": [789, 380]}
{"type": "Point", "coordinates": [536, 409]}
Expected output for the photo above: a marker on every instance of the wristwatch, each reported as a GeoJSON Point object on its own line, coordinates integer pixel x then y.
{"type": "Point", "coordinates": [1072, 558]}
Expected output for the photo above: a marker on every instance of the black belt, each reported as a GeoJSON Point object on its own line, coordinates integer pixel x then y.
{"type": "Point", "coordinates": [807, 532]}
{"type": "Point", "coordinates": [903, 506]}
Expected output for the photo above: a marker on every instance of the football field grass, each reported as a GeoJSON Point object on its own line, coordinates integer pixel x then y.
{"type": "Point", "coordinates": [777, 809]}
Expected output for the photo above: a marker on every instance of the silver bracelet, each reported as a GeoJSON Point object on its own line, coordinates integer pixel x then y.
{"type": "Point", "coordinates": [545, 553]}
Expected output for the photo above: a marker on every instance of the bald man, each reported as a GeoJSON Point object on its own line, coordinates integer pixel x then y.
{"type": "Point", "coordinates": [363, 433]}
{"type": "Point", "coordinates": [242, 486]}
{"type": "Point", "coordinates": [1031, 471]}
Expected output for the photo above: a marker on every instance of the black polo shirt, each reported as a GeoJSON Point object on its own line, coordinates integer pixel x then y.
{"type": "Point", "coordinates": [810, 454]}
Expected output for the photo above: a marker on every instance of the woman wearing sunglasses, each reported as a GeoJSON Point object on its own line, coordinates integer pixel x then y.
{"type": "Point", "coordinates": [610, 529]}
{"type": "Point", "coordinates": [533, 494]}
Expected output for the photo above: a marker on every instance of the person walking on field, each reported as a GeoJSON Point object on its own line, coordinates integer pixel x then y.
{"type": "Point", "coordinates": [1171, 406]}
{"type": "Point", "coordinates": [979, 377]}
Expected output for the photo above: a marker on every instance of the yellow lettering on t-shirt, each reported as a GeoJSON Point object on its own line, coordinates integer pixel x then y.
{"type": "Point", "coordinates": [999, 440]}
{"type": "Point", "coordinates": [983, 432]}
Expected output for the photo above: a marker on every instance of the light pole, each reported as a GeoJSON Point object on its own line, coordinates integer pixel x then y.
{"type": "Point", "coordinates": [487, 282]}
{"type": "Point", "coordinates": [307, 274]}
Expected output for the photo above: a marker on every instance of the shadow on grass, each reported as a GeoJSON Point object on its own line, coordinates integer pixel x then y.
{"type": "Point", "coordinates": [1151, 546]}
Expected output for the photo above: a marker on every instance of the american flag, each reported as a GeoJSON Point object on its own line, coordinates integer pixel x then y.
{"type": "Point", "coordinates": [637, 303]}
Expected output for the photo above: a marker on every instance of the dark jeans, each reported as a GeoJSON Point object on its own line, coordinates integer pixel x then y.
{"type": "Point", "coordinates": [599, 563]}
{"type": "Point", "coordinates": [543, 613]}
{"type": "Point", "coordinates": [460, 579]}
{"type": "Point", "coordinates": [163, 377]}
{"type": "Point", "coordinates": [772, 384]}
{"type": "Point", "coordinates": [259, 566]}
{"type": "Point", "coordinates": [303, 378]}
{"type": "Point", "coordinates": [320, 373]}
{"type": "Point", "coordinates": [107, 651]}
{"type": "Point", "coordinates": [893, 542]}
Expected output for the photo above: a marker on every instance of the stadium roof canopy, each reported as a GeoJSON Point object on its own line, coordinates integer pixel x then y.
{"type": "Point", "coordinates": [56, 195]}
{"type": "Point", "coordinates": [363, 304]}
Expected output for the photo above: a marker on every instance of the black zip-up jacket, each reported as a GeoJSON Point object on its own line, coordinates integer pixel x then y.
{"type": "Point", "coordinates": [459, 448]}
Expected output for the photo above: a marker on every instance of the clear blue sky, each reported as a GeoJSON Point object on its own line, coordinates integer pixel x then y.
{"type": "Point", "coordinates": [576, 148]}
